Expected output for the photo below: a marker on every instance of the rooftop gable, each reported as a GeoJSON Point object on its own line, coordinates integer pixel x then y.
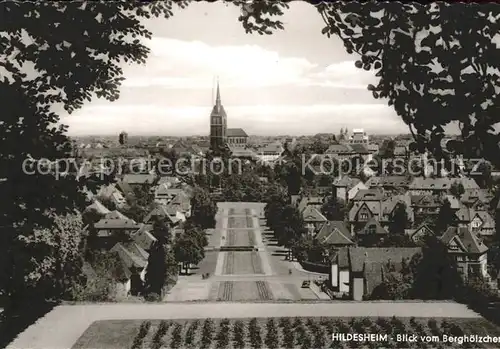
{"type": "Point", "coordinates": [236, 132]}
{"type": "Point", "coordinates": [466, 237]}
{"type": "Point", "coordinates": [334, 233]}
{"type": "Point", "coordinates": [312, 214]}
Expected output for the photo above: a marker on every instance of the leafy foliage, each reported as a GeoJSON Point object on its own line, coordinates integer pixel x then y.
{"type": "Point", "coordinates": [203, 209]}
{"type": "Point", "coordinates": [422, 56]}
{"type": "Point", "coordinates": [187, 250]}
{"type": "Point", "coordinates": [46, 261]}
{"type": "Point", "coordinates": [446, 217]}
{"type": "Point", "coordinates": [161, 269]}
{"type": "Point", "coordinates": [334, 209]}
{"type": "Point", "coordinates": [75, 58]}
{"type": "Point", "coordinates": [398, 223]}
{"type": "Point", "coordinates": [435, 272]}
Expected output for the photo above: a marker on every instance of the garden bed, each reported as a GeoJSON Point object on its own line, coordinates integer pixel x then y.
{"type": "Point", "coordinates": [275, 333]}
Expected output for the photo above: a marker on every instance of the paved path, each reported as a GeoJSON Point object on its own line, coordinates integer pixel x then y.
{"type": "Point", "coordinates": [60, 328]}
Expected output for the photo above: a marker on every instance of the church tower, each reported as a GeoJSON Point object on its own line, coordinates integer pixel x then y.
{"type": "Point", "coordinates": [218, 124]}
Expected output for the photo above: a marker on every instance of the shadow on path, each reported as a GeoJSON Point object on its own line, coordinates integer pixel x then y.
{"type": "Point", "coordinates": [14, 321]}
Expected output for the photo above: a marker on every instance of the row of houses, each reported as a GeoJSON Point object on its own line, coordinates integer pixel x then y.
{"type": "Point", "coordinates": [370, 208]}
{"type": "Point", "coordinates": [129, 240]}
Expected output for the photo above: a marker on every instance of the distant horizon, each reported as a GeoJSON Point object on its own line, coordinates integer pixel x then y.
{"type": "Point", "coordinates": [295, 81]}
{"type": "Point", "coordinates": [250, 135]}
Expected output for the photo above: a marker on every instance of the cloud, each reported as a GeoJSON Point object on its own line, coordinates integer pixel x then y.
{"type": "Point", "coordinates": [193, 64]}
{"type": "Point", "coordinates": [343, 75]}
{"type": "Point", "coordinates": [179, 64]}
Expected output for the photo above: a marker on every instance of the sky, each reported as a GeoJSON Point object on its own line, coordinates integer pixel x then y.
{"type": "Point", "coordinates": [294, 82]}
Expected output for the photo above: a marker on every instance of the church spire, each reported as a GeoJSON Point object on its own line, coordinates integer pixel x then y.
{"type": "Point", "coordinates": [217, 98]}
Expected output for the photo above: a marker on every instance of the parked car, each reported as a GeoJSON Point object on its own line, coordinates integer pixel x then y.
{"type": "Point", "coordinates": [306, 284]}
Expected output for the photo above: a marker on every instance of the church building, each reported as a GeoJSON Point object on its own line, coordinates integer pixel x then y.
{"type": "Point", "coordinates": [220, 135]}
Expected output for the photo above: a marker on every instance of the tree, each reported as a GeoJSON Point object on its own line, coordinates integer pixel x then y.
{"type": "Point", "coordinates": [203, 209]}
{"type": "Point", "coordinates": [159, 269]}
{"type": "Point", "coordinates": [161, 229]}
{"type": "Point", "coordinates": [395, 286]}
{"type": "Point", "coordinates": [90, 217]}
{"type": "Point", "coordinates": [457, 189]}
{"type": "Point", "coordinates": [436, 273]}
{"type": "Point", "coordinates": [245, 186]}
{"type": "Point", "coordinates": [54, 264]}
{"type": "Point", "coordinates": [293, 177]}
{"type": "Point", "coordinates": [483, 175]}
{"type": "Point", "coordinates": [140, 203]}
{"type": "Point", "coordinates": [196, 233]}
{"type": "Point", "coordinates": [316, 252]}
{"type": "Point", "coordinates": [318, 146]}
{"type": "Point", "coordinates": [399, 219]}
{"type": "Point", "coordinates": [446, 217]}
{"type": "Point", "coordinates": [122, 138]}
{"type": "Point", "coordinates": [398, 223]}
{"type": "Point", "coordinates": [64, 73]}
{"type": "Point", "coordinates": [387, 149]}
{"type": "Point", "coordinates": [107, 202]}
{"type": "Point", "coordinates": [334, 209]}
{"type": "Point", "coordinates": [156, 270]}
{"type": "Point", "coordinates": [187, 251]}
{"type": "Point", "coordinates": [290, 227]}
{"type": "Point", "coordinates": [387, 45]}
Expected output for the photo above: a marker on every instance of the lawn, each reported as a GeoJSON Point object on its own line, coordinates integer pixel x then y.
{"type": "Point", "coordinates": [276, 333]}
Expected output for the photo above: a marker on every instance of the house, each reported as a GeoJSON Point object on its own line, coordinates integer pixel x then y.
{"type": "Point", "coordinates": [313, 219]}
{"type": "Point", "coordinates": [144, 237]}
{"type": "Point", "coordinates": [389, 182]}
{"type": "Point", "coordinates": [114, 225]}
{"type": "Point", "coordinates": [391, 203]}
{"type": "Point", "coordinates": [270, 152]}
{"type": "Point", "coordinates": [400, 151]}
{"type": "Point", "coordinates": [180, 203]}
{"type": "Point", "coordinates": [417, 234]}
{"type": "Point", "coordinates": [425, 207]}
{"type": "Point", "coordinates": [164, 194]}
{"type": "Point", "coordinates": [169, 181]}
{"type": "Point", "coordinates": [346, 188]}
{"type": "Point", "coordinates": [334, 233]}
{"type": "Point", "coordinates": [455, 203]}
{"type": "Point", "coordinates": [373, 203]}
{"type": "Point", "coordinates": [97, 207]}
{"type": "Point", "coordinates": [125, 189]}
{"type": "Point", "coordinates": [469, 252]}
{"type": "Point", "coordinates": [344, 152]}
{"type": "Point", "coordinates": [183, 149]}
{"type": "Point", "coordinates": [363, 211]}
{"type": "Point", "coordinates": [303, 202]}
{"type": "Point", "coordinates": [371, 233]}
{"type": "Point", "coordinates": [425, 186]}
{"type": "Point", "coordinates": [357, 271]}
{"type": "Point", "coordinates": [358, 136]}
{"type": "Point", "coordinates": [376, 194]}
{"type": "Point", "coordinates": [138, 180]}
{"type": "Point", "coordinates": [236, 137]}
{"type": "Point", "coordinates": [243, 153]}
{"type": "Point", "coordinates": [135, 261]}
{"type": "Point", "coordinates": [124, 265]}
{"type": "Point", "coordinates": [476, 197]}
{"type": "Point", "coordinates": [483, 224]}
{"type": "Point", "coordinates": [111, 193]}
{"type": "Point", "coordinates": [162, 211]}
